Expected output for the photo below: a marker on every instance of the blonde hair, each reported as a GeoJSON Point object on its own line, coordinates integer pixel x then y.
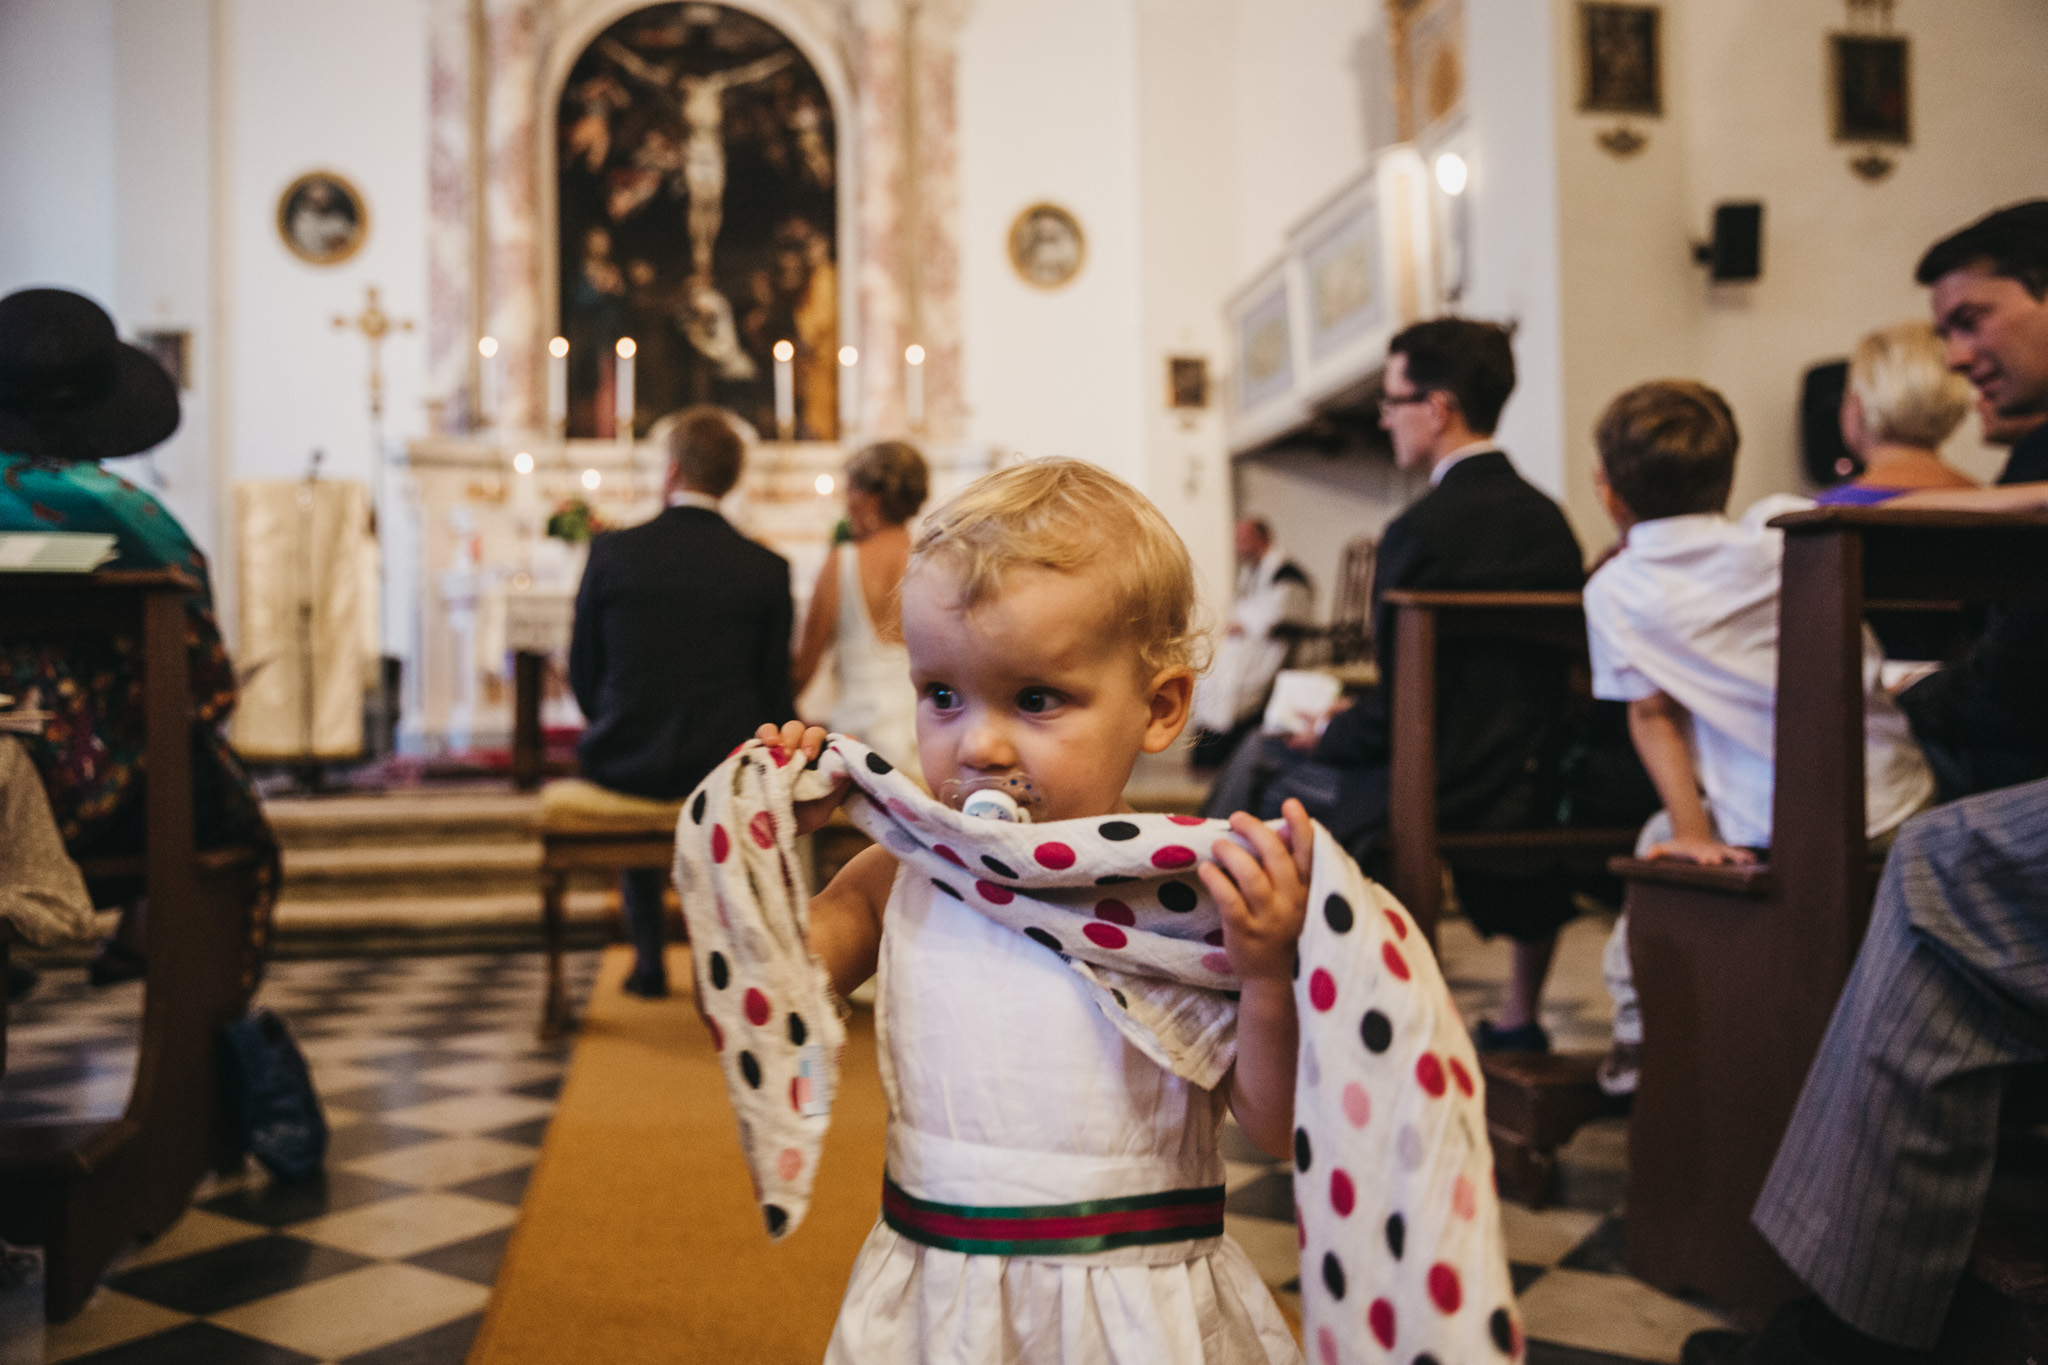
{"type": "Point", "coordinates": [1900, 375]}
{"type": "Point", "coordinates": [1068, 515]}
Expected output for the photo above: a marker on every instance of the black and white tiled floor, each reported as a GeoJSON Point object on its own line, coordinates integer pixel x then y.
{"type": "Point", "coordinates": [437, 1096]}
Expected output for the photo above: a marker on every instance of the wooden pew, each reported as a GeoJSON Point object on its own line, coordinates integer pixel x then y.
{"type": "Point", "coordinates": [85, 1191]}
{"type": "Point", "coordinates": [1738, 970]}
{"type": "Point", "coordinates": [1533, 1103]}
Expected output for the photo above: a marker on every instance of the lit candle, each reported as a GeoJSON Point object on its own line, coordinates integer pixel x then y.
{"type": "Point", "coordinates": [591, 479]}
{"type": "Point", "coordinates": [622, 391]}
{"type": "Point", "coordinates": [849, 390]}
{"type": "Point", "coordinates": [558, 385]}
{"type": "Point", "coordinates": [913, 387]}
{"type": "Point", "coordinates": [785, 389]}
{"type": "Point", "coordinates": [487, 382]}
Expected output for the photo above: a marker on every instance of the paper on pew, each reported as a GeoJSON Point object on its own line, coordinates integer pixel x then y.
{"type": "Point", "coordinates": [54, 551]}
{"type": "Point", "coordinates": [1301, 698]}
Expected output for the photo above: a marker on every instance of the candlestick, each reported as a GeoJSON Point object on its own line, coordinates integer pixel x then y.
{"type": "Point", "coordinates": [913, 387]}
{"type": "Point", "coordinates": [622, 390]}
{"type": "Point", "coordinates": [849, 391]}
{"type": "Point", "coordinates": [487, 382]}
{"type": "Point", "coordinates": [785, 389]}
{"type": "Point", "coordinates": [558, 385]}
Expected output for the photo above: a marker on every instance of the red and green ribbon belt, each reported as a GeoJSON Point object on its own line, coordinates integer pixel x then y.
{"type": "Point", "coordinates": [1055, 1229]}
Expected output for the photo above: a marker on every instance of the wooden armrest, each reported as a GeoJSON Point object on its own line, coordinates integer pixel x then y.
{"type": "Point", "coordinates": [1568, 838]}
{"type": "Point", "coordinates": [1752, 881]}
{"type": "Point", "coordinates": [1481, 601]}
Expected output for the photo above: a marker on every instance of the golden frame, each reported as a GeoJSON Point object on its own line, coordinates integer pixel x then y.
{"type": "Point", "coordinates": [359, 210]}
{"type": "Point", "coordinates": [1898, 132]}
{"type": "Point", "coordinates": [1024, 239]}
{"type": "Point", "coordinates": [1603, 89]}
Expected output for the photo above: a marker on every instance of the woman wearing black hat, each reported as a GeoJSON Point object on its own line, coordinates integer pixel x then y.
{"type": "Point", "coordinates": [72, 394]}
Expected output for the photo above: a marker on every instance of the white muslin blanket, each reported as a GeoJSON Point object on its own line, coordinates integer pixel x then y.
{"type": "Point", "coordinates": [1402, 1250]}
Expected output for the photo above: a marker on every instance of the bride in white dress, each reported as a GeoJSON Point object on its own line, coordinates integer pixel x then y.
{"type": "Point", "coordinates": [854, 608]}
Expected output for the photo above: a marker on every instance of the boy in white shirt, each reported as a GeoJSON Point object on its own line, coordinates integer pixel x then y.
{"type": "Point", "coordinates": [1683, 625]}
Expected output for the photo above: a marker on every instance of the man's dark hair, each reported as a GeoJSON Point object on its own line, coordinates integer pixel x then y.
{"type": "Point", "coordinates": [2013, 242]}
{"type": "Point", "coordinates": [705, 450]}
{"type": "Point", "coordinates": [1668, 449]}
{"type": "Point", "coordinates": [1471, 361]}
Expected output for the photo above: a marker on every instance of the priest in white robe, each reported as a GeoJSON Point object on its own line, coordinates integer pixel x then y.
{"type": "Point", "coordinates": [1274, 604]}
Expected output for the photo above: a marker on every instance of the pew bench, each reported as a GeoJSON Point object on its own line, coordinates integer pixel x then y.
{"type": "Point", "coordinates": [83, 1192]}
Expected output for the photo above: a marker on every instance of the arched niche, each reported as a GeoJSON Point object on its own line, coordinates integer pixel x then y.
{"type": "Point", "coordinates": [655, 111]}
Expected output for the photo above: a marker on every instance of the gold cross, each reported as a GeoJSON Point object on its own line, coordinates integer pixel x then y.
{"type": "Point", "coordinates": [375, 324]}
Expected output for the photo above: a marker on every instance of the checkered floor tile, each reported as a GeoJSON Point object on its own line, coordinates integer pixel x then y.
{"type": "Point", "coordinates": [437, 1095]}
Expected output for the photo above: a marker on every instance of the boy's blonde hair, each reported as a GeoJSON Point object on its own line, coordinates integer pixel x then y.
{"type": "Point", "coordinates": [1901, 376]}
{"type": "Point", "coordinates": [1068, 515]}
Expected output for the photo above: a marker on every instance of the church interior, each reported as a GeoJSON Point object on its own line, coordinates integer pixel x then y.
{"type": "Point", "coordinates": [439, 284]}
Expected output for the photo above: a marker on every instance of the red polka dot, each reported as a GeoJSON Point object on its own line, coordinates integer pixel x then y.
{"type": "Point", "coordinates": [1214, 938]}
{"type": "Point", "coordinates": [757, 1007]}
{"type": "Point", "coordinates": [737, 747]}
{"type": "Point", "coordinates": [1173, 855]}
{"type": "Point", "coordinates": [948, 854]}
{"type": "Point", "coordinates": [1322, 989]}
{"type": "Point", "coordinates": [1343, 1197]}
{"type": "Point", "coordinates": [993, 894]}
{"type": "Point", "coordinates": [1430, 1073]}
{"type": "Point", "coordinates": [790, 1164]}
{"type": "Point", "coordinates": [1104, 935]}
{"type": "Point", "coordinates": [1300, 1231]}
{"type": "Point", "coordinates": [779, 754]}
{"type": "Point", "coordinates": [1116, 912]}
{"type": "Point", "coordinates": [717, 1034]}
{"type": "Point", "coordinates": [720, 845]}
{"type": "Point", "coordinates": [903, 810]}
{"type": "Point", "coordinates": [1326, 1345]}
{"type": "Point", "coordinates": [1217, 963]}
{"type": "Point", "coordinates": [1380, 1317]}
{"type": "Point", "coordinates": [1056, 856]}
{"type": "Point", "coordinates": [799, 1096]}
{"type": "Point", "coordinates": [1396, 964]}
{"type": "Point", "coordinates": [1186, 819]}
{"type": "Point", "coordinates": [1399, 922]}
{"type": "Point", "coordinates": [762, 828]}
{"type": "Point", "coordinates": [1464, 1200]}
{"type": "Point", "coordinates": [1461, 1076]}
{"type": "Point", "coordinates": [1357, 1105]}
{"type": "Point", "coordinates": [1444, 1289]}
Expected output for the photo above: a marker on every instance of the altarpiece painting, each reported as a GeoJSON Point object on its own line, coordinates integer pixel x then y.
{"type": "Point", "coordinates": [699, 216]}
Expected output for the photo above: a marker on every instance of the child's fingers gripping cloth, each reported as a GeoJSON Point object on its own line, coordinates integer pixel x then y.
{"type": "Point", "coordinates": [1402, 1252]}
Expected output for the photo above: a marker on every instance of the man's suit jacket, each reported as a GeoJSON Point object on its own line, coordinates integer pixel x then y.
{"type": "Point", "coordinates": [1500, 704]}
{"type": "Point", "coordinates": [680, 651]}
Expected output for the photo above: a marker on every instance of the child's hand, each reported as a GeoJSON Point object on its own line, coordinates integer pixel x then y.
{"type": "Point", "coordinates": [1705, 852]}
{"type": "Point", "coordinates": [1264, 898]}
{"type": "Point", "coordinates": [807, 741]}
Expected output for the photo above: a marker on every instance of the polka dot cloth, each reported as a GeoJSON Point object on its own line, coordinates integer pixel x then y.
{"type": "Point", "coordinates": [1402, 1253]}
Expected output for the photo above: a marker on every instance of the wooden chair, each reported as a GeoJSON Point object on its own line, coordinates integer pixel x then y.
{"type": "Point", "coordinates": [85, 1191]}
{"type": "Point", "coordinates": [585, 828]}
{"type": "Point", "coordinates": [1533, 1103]}
{"type": "Point", "coordinates": [1738, 969]}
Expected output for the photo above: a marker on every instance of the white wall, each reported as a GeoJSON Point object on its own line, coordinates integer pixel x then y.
{"type": "Point", "coordinates": [57, 154]}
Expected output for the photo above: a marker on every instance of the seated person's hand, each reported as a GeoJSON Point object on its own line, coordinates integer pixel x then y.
{"type": "Point", "coordinates": [1705, 852]}
{"type": "Point", "coordinates": [1262, 891]}
{"type": "Point", "coordinates": [1306, 741]}
{"type": "Point", "coordinates": [807, 742]}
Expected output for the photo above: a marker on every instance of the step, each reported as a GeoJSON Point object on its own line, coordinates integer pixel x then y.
{"type": "Point", "coordinates": [361, 871]}
{"type": "Point", "coordinates": [481, 923]}
{"type": "Point", "coordinates": [403, 818]}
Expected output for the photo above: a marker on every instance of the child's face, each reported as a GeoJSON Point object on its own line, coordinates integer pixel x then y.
{"type": "Point", "coordinates": [1035, 680]}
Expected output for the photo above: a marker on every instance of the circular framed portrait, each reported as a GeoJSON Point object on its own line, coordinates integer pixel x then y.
{"type": "Point", "coordinates": [1046, 246]}
{"type": "Point", "coordinates": [322, 218]}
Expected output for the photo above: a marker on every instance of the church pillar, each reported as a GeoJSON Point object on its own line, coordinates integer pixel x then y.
{"type": "Point", "coordinates": [454, 81]}
{"type": "Point", "coordinates": [512, 268]}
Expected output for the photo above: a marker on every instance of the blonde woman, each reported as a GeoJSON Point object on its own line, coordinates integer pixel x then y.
{"type": "Point", "coordinates": [854, 609]}
{"type": "Point", "coordinates": [1901, 403]}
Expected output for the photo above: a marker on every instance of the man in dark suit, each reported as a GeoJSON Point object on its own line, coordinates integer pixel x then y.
{"type": "Point", "coordinates": [680, 650]}
{"type": "Point", "coordinates": [1500, 705]}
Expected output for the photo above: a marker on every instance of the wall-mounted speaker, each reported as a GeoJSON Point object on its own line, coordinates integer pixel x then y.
{"type": "Point", "coordinates": [1736, 251]}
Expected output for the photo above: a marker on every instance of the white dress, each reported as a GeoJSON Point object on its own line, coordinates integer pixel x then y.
{"type": "Point", "coordinates": [1007, 1087]}
{"type": "Point", "coordinates": [877, 703]}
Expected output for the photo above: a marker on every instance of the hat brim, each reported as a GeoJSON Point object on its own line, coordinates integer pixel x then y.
{"type": "Point", "coordinates": [138, 411]}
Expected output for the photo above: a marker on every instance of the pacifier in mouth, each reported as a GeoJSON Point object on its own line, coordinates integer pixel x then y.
{"type": "Point", "coordinates": [1008, 797]}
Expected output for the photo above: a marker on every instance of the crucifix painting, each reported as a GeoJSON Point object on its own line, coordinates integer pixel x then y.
{"type": "Point", "coordinates": [699, 216]}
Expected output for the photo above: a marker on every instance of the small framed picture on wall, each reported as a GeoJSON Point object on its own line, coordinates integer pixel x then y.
{"type": "Point", "coordinates": [1872, 88]}
{"type": "Point", "coordinates": [1620, 69]}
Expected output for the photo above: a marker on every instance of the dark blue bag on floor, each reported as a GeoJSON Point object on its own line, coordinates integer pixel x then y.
{"type": "Point", "coordinates": [276, 1110]}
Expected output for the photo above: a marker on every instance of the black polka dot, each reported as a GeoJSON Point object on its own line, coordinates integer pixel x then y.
{"type": "Point", "coordinates": [797, 1031]}
{"type": "Point", "coordinates": [1337, 913]}
{"type": "Point", "coordinates": [1294, 967]}
{"type": "Point", "coordinates": [1178, 897]}
{"type": "Point", "coordinates": [720, 973]}
{"type": "Point", "coordinates": [1038, 935]}
{"type": "Point", "coordinates": [1301, 1150]}
{"type": "Point", "coordinates": [1113, 879]}
{"type": "Point", "coordinates": [812, 766]}
{"type": "Point", "coordinates": [1397, 1235]}
{"type": "Point", "coordinates": [1001, 869]}
{"type": "Point", "coordinates": [751, 1069]}
{"type": "Point", "coordinates": [777, 1220]}
{"type": "Point", "coordinates": [947, 889]}
{"type": "Point", "coordinates": [1333, 1275]}
{"type": "Point", "coordinates": [1119, 830]}
{"type": "Point", "coordinates": [697, 808]}
{"type": "Point", "coordinates": [1426, 1359]}
{"type": "Point", "coordinates": [1376, 1030]}
{"type": "Point", "coordinates": [877, 764]}
{"type": "Point", "coordinates": [1502, 1329]}
{"type": "Point", "coordinates": [1118, 996]}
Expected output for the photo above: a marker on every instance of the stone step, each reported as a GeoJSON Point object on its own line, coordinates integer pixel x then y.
{"type": "Point", "coordinates": [470, 817]}
{"type": "Point", "coordinates": [395, 925]}
{"type": "Point", "coordinates": [411, 871]}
